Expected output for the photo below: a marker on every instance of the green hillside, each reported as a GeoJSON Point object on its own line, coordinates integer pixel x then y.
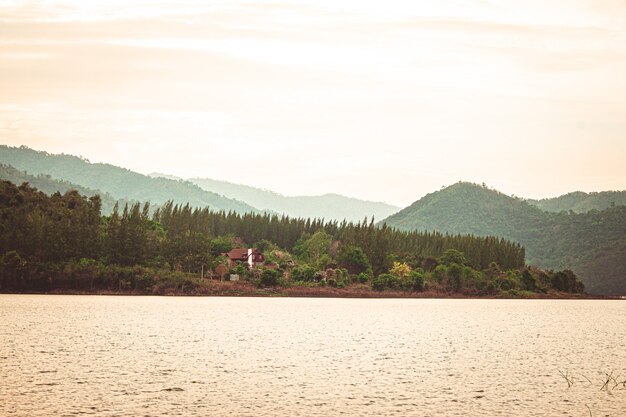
{"type": "Point", "coordinates": [327, 206]}
{"type": "Point", "coordinates": [120, 183]}
{"type": "Point", "coordinates": [49, 185]}
{"type": "Point", "coordinates": [592, 243]}
{"type": "Point", "coordinates": [580, 202]}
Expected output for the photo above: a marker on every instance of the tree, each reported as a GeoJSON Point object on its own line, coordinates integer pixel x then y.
{"type": "Point", "coordinates": [429, 264]}
{"type": "Point", "coordinates": [354, 259]}
{"type": "Point", "coordinates": [317, 245]}
{"type": "Point", "coordinates": [455, 277]}
{"type": "Point", "coordinates": [453, 256]}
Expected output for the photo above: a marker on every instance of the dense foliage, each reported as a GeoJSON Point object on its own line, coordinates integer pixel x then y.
{"type": "Point", "coordinates": [62, 242]}
{"type": "Point", "coordinates": [592, 243]}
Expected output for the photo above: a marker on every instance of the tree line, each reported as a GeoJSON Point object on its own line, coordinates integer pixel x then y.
{"type": "Point", "coordinates": [43, 236]}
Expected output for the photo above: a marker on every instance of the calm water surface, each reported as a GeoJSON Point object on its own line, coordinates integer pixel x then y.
{"type": "Point", "coordinates": [112, 356]}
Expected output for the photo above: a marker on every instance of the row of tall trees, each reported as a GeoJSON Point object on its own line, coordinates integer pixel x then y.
{"type": "Point", "coordinates": [40, 229]}
{"type": "Point", "coordinates": [377, 242]}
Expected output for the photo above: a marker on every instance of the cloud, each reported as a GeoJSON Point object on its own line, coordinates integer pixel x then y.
{"type": "Point", "coordinates": [333, 96]}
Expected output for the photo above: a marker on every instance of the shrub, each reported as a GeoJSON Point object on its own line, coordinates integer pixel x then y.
{"type": "Point", "coordinates": [528, 281]}
{"type": "Point", "coordinates": [417, 280]}
{"type": "Point", "coordinates": [386, 281]}
{"type": "Point", "coordinates": [270, 277]}
{"type": "Point", "coordinates": [566, 281]}
{"type": "Point", "coordinates": [440, 273]}
{"type": "Point", "coordinates": [304, 273]}
{"type": "Point", "coordinates": [362, 278]}
{"type": "Point", "coordinates": [400, 269]}
{"type": "Point", "coordinates": [144, 281]}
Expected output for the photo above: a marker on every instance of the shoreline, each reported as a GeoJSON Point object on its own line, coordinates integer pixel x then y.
{"type": "Point", "coordinates": [227, 289]}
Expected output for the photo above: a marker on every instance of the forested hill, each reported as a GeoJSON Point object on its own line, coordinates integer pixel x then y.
{"type": "Point", "coordinates": [580, 202]}
{"type": "Point", "coordinates": [328, 206]}
{"type": "Point", "coordinates": [120, 183]}
{"type": "Point", "coordinates": [593, 244]}
{"type": "Point", "coordinates": [49, 185]}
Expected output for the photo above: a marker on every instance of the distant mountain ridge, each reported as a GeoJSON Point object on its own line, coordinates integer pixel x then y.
{"type": "Point", "coordinates": [580, 202]}
{"type": "Point", "coordinates": [593, 244]}
{"type": "Point", "coordinates": [328, 206]}
{"type": "Point", "coordinates": [123, 184]}
{"type": "Point", "coordinates": [120, 183]}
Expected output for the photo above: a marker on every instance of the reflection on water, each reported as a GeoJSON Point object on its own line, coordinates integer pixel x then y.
{"type": "Point", "coordinates": [71, 355]}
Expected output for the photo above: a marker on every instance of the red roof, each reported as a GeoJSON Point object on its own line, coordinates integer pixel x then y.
{"type": "Point", "coordinates": [240, 254]}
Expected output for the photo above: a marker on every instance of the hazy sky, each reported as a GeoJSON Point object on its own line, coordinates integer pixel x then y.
{"type": "Point", "coordinates": [379, 100]}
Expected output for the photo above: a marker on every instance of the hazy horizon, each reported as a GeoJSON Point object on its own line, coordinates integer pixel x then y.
{"type": "Point", "coordinates": [308, 98]}
{"type": "Point", "coordinates": [175, 177]}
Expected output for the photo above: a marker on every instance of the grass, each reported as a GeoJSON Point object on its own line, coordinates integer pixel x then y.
{"type": "Point", "coordinates": [609, 381]}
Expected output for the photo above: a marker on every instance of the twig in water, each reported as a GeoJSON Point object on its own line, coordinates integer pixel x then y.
{"type": "Point", "coordinates": [588, 380]}
{"type": "Point", "coordinates": [616, 382]}
{"type": "Point", "coordinates": [590, 415]}
{"type": "Point", "coordinates": [568, 378]}
{"type": "Point", "coordinates": [609, 378]}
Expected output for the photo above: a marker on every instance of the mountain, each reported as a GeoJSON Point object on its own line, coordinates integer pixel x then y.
{"type": "Point", "coordinates": [120, 183]}
{"type": "Point", "coordinates": [581, 202]}
{"type": "Point", "coordinates": [49, 185]}
{"type": "Point", "coordinates": [593, 244]}
{"type": "Point", "coordinates": [327, 206]}
{"type": "Point", "coordinates": [169, 177]}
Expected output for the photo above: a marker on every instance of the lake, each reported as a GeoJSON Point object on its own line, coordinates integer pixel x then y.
{"type": "Point", "coordinates": [218, 356]}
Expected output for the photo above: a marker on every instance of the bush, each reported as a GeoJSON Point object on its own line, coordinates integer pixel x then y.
{"type": "Point", "coordinates": [270, 277]}
{"type": "Point", "coordinates": [566, 281]}
{"type": "Point", "coordinates": [362, 278]}
{"type": "Point", "coordinates": [304, 273]}
{"type": "Point", "coordinates": [417, 280]}
{"type": "Point", "coordinates": [440, 273]}
{"type": "Point", "coordinates": [144, 281]}
{"type": "Point", "coordinates": [379, 283]}
{"type": "Point", "coordinates": [510, 281]}
{"type": "Point", "coordinates": [528, 281]}
{"type": "Point", "coordinates": [400, 269]}
{"type": "Point", "coordinates": [386, 281]}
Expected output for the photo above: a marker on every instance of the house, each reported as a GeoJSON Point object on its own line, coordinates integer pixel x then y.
{"type": "Point", "coordinates": [251, 256]}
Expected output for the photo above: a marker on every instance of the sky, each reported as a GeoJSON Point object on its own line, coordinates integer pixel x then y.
{"type": "Point", "coordinates": [384, 101]}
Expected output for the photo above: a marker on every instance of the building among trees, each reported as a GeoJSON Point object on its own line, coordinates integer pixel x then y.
{"type": "Point", "coordinates": [250, 256]}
